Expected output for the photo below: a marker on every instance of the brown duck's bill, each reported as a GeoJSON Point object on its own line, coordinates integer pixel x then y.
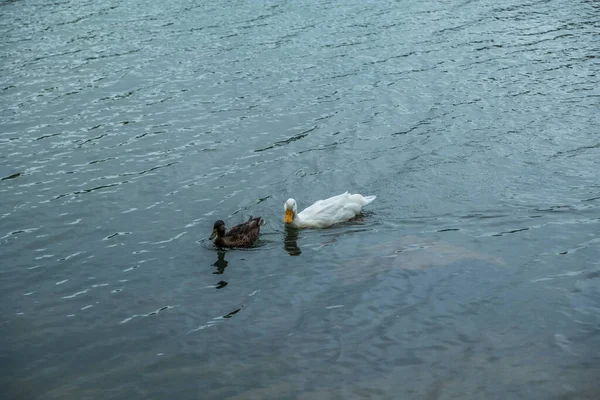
{"type": "Point", "coordinates": [289, 216]}
{"type": "Point", "coordinates": [213, 235]}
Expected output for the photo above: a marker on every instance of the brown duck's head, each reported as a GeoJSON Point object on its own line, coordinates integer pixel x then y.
{"type": "Point", "coordinates": [218, 229]}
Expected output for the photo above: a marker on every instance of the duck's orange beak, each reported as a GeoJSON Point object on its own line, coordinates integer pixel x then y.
{"type": "Point", "coordinates": [289, 216]}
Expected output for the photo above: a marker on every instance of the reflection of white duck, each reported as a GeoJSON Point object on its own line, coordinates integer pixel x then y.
{"type": "Point", "coordinates": [326, 212]}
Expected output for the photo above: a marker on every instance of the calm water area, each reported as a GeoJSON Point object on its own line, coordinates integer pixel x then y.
{"type": "Point", "coordinates": [127, 128]}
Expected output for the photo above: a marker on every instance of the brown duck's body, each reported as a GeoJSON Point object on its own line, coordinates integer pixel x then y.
{"type": "Point", "coordinates": [242, 235]}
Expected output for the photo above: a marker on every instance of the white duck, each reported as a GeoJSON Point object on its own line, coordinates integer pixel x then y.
{"type": "Point", "coordinates": [326, 212]}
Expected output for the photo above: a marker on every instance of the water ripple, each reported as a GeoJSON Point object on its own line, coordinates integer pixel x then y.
{"type": "Point", "coordinates": [128, 128]}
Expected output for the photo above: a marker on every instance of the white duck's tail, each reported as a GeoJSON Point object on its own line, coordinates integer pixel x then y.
{"type": "Point", "coordinates": [368, 199]}
{"type": "Point", "coordinates": [362, 200]}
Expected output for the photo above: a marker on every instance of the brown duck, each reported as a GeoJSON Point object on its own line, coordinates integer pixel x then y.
{"type": "Point", "coordinates": [242, 235]}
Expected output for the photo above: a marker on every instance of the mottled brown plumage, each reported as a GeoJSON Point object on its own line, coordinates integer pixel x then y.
{"type": "Point", "coordinates": [242, 235]}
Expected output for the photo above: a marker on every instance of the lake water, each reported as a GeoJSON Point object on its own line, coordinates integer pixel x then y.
{"type": "Point", "coordinates": [127, 128]}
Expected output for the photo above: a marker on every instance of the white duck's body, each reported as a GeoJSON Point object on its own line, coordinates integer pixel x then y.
{"type": "Point", "coordinates": [326, 212]}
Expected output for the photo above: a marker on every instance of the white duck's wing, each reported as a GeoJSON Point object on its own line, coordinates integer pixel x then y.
{"type": "Point", "coordinates": [329, 211]}
{"type": "Point", "coordinates": [348, 211]}
{"type": "Point", "coordinates": [335, 201]}
{"type": "Point", "coordinates": [321, 205]}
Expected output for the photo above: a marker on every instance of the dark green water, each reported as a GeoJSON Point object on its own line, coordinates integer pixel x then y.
{"type": "Point", "coordinates": [127, 128]}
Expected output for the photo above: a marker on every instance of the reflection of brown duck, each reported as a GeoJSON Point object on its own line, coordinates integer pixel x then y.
{"type": "Point", "coordinates": [242, 235]}
{"type": "Point", "coordinates": [221, 263]}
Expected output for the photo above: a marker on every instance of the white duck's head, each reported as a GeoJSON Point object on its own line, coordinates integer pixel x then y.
{"type": "Point", "coordinates": [291, 210]}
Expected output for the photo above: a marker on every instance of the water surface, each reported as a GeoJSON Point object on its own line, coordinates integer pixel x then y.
{"type": "Point", "coordinates": [128, 128]}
